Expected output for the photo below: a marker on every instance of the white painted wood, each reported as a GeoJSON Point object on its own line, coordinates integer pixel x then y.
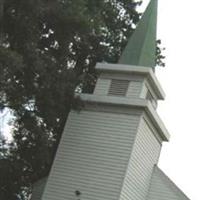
{"type": "Point", "coordinates": [114, 100]}
{"type": "Point", "coordinates": [144, 156]}
{"type": "Point", "coordinates": [130, 69]}
{"type": "Point", "coordinates": [105, 82]}
{"type": "Point", "coordinates": [108, 150]}
{"type": "Point", "coordinates": [131, 103]}
{"type": "Point", "coordinates": [134, 89]}
{"type": "Point", "coordinates": [102, 86]}
{"type": "Point", "coordinates": [151, 95]}
{"type": "Point", "coordinates": [153, 128]}
{"type": "Point", "coordinates": [92, 156]}
{"type": "Point", "coordinates": [162, 188]}
{"type": "Point", "coordinates": [144, 91]}
{"type": "Point", "coordinates": [122, 76]}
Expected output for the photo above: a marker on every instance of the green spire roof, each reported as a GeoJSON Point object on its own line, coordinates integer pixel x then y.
{"type": "Point", "coordinates": [141, 47]}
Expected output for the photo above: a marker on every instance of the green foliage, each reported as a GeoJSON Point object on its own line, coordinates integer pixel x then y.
{"type": "Point", "coordinates": [14, 176]}
{"type": "Point", "coordinates": [47, 49]}
{"type": "Point", "coordinates": [159, 54]}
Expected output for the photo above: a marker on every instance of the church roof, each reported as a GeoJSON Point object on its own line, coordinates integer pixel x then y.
{"type": "Point", "coordinates": [162, 188]}
{"type": "Point", "coordinates": [141, 47]}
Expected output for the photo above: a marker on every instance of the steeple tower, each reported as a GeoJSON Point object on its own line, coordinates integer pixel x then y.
{"type": "Point", "coordinates": [109, 149]}
{"type": "Point", "coordinates": [141, 47]}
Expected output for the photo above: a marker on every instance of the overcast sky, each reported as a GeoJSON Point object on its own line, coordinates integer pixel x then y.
{"type": "Point", "coordinates": [179, 30]}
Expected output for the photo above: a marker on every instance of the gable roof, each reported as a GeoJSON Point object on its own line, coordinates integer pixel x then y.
{"type": "Point", "coordinates": [162, 188]}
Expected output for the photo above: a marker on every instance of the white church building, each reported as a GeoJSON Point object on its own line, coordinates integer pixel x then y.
{"type": "Point", "coordinates": [110, 149]}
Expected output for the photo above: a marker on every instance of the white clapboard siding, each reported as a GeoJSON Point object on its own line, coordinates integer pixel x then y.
{"type": "Point", "coordinates": [144, 91]}
{"type": "Point", "coordinates": [102, 86]}
{"type": "Point", "coordinates": [144, 156]}
{"type": "Point", "coordinates": [118, 87]}
{"type": "Point", "coordinates": [92, 157]}
{"type": "Point", "coordinates": [162, 188]}
{"type": "Point", "coordinates": [134, 89]}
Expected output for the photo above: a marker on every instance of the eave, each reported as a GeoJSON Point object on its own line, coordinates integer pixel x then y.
{"type": "Point", "coordinates": [133, 103]}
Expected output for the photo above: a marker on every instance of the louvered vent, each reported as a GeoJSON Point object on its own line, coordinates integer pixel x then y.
{"type": "Point", "coordinates": [118, 87]}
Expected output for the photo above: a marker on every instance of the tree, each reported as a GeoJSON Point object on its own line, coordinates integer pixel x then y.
{"type": "Point", "coordinates": [14, 179]}
{"type": "Point", "coordinates": [48, 48]}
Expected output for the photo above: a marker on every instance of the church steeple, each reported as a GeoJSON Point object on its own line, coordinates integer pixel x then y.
{"type": "Point", "coordinates": [141, 47]}
{"type": "Point", "coordinates": [110, 148]}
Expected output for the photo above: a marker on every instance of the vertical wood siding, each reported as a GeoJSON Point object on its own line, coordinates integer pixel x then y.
{"type": "Point", "coordinates": [144, 156]}
{"type": "Point", "coordinates": [92, 157]}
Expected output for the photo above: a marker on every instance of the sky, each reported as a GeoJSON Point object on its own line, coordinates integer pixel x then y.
{"type": "Point", "coordinates": [179, 30]}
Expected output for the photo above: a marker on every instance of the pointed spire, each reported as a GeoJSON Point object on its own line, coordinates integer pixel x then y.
{"type": "Point", "coordinates": [141, 47]}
